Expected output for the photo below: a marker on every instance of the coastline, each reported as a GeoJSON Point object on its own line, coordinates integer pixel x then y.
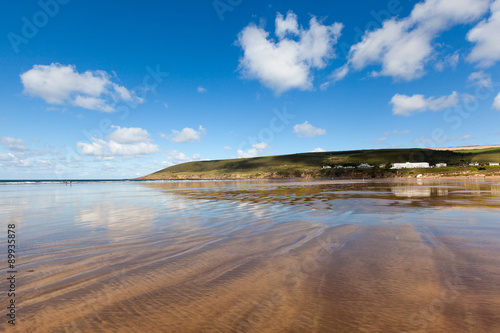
{"type": "Point", "coordinates": [495, 176]}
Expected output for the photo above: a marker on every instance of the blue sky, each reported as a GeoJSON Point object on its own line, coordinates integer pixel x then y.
{"type": "Point", "coordinates": [93, 90]}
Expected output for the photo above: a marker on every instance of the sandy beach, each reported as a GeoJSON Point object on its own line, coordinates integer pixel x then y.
{"type": "Point", "coordinates": [296, 257]}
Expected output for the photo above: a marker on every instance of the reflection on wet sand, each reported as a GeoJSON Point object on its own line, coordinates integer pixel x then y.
{"type": "Point", "coordinates": [271, 257]}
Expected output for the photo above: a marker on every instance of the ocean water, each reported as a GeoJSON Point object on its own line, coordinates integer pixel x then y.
{"type": "Point", "coordinates": [74, 239]}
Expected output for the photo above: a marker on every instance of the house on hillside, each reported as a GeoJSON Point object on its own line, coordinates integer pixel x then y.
{"type": "Point", "coordinates": [494, 164]}
{"type": "Point", "coordinates": [381, 166]}
{"type": "Point", "coordinates": [474, 164]}
{"type": "Point", "coordinates": [326, 167]}
{"type": "Point", "coordinates": [409, 165]}
{"type": "Point", "coordinates": [339, 166]}
{"type": "Point", "coordinates": [365, 166]}
{"type": "Point", "coordinates": [441, 165]}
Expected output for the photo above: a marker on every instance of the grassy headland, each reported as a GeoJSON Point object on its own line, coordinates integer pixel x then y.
{"type": "Point", "coordinates": [309, 165]}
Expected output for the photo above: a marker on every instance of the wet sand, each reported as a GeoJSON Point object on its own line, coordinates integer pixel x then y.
{"type": "Point", "coordinates": [391, 272]}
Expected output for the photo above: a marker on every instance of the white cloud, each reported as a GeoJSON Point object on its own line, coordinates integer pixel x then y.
{"type": "Point", "coordinates": [340, 73]}
{"type": "Point", "coordinates": [441, 140]}
{"type": "Point", "coordinates": [485, 34]}
{"type": "Point", "coordinates": [289, 25]}
{"type": "Point", "coordinates": [7, 157]}
{"type": "Point", "coordinates": [318, 150]}
{"type": "Point", "coordinates": [396, 132]}
{"type": "Point", "coordinates": [480, 79]}
{"type": "Point", "coordinates": [109, 166]}
{"type": "Point", "coordinates": [255, 151]}
{"type": "Point", "coordinates": [122, 142]}
{"type": "Point", "coordinates": [307, 130]}
{"type": "Point", "coordinates": [450, 60]}
{"type": "Point", "coordinates": [404, 105]}
{"type": "Point", "coordinates": [404, 46]}
{"type": "Point", "coordinates": [201, 89]}
{"type": "Point", "coordinates": [14, 144]}
{"type": "Point", "coordinates": [228, 148]}
{"type": "Point", "coordinates": [63, 85]}
{"type": "Point", "coordinates": [176, 157]}
{"type": "Point", "coordinates": [185, 135]}
{"type": "Point", "coordinates": [129, 135]}
{"type": "Point", "coordinates": [496, 102]}
{"type": "Point", "coordinates": [286, 63]}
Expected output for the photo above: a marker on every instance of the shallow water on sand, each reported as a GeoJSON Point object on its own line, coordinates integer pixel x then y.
{"type": "Point", "coordinates": [255, 256]}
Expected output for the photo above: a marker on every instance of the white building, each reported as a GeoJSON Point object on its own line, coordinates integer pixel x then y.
{"type": "Point", "coordinates": [365, 166]}
{"type": "Point", "coordinates": [441, 165]}
{"type": "Point", "coordinates": [327, 167]}
{"type": "Point", "coordinates": [494, 164]}
{"type": "Point", "coordinates": [474, 164]}
{"type": "Point", "coordinates": [409, 165]}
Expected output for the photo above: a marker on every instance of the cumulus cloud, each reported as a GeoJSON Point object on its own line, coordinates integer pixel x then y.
{"type": "Point", "coordinates": [307, 130]}
{"type": "Point", "coordinates": [485, 34]}
{"type": "Point", "coordinates": [185, 135]}
{"type": "Point", "coordinates": [129, 135]}
{"type": "Point", "coordinates": [201, 89]}
{"type": "Point", "coordinates": [480, 79]}
{"type": "Point", "coordinates": [13, 144]}
{"type": "Point", "coordinates": [287, 63]}
{"type": "Point", "coordinates": [404, 105]}
{"type": "Point", "coordinates": [64, 85]}
{"type": "Point", "coordinates": [122, 142]}
{"type": "Point", "coordinates": [318, 150]}
{"type": "Point", "coordinates": [496, 102]}
{"type": "Point", "coordinates": [404, 46]}
{"type": "Point", "coordinates": [255, 151]}
{"type": "Point", "coordinates": [227, 148]}
{"type": "Point", "coordinates": [176, 157]}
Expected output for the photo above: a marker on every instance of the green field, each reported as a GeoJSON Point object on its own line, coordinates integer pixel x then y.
{"type": "Point", "coordinates": [309, 165]}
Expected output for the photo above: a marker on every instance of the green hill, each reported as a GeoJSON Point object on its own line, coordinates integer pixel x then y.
{"type": "Point", "coordinates": [309, 165]}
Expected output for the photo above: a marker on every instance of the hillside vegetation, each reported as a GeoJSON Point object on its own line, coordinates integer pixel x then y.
{"type": "Point", "coordinates": [309, 165]}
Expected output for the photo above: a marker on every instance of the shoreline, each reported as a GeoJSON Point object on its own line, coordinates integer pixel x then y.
{"type": "Point", "coordinates": [433, 177]}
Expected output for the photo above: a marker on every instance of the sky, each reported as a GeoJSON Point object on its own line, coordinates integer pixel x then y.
{"type": "Point", "coordinates": [96, 90]}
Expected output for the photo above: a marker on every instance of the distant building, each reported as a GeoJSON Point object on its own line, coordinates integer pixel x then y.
{"type": "Point", "coordinates": [474, 164]}
{"type": "Point", "coordinates": [409, 165]}
{"type": "Point", "coordinates": [365, 166]}
{"type": "Point", "coordinates": [494, 164]}
{"type": "Point", "coordinates": [349, 167]}
{"type": "Point", "coordinates": [339, 167]}
{"type": "Point", "coordinates": [327, 167]}
{"type": "Point", "coordinates": [381, 166]}
{"type": "Point", "coordinates": [441, 165]}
